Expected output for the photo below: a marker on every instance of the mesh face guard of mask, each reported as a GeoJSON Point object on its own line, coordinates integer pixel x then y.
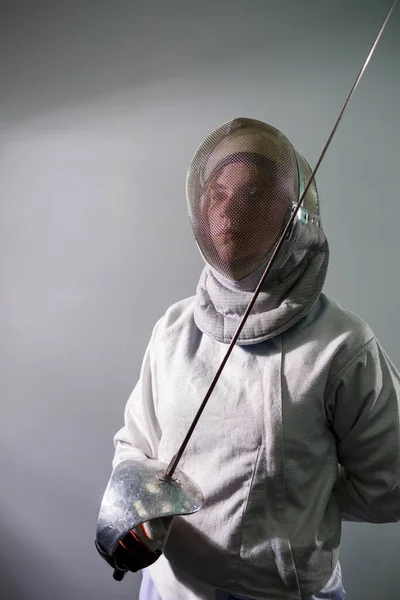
{"type": "Point", "coordinates": [242, 185]}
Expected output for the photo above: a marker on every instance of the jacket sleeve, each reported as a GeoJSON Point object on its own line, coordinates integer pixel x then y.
{"type": "Point", "coordinates": [366, 421]}
{"type": "Point", "coordinates": [138, 439]}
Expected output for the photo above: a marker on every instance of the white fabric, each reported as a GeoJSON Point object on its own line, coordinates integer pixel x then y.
{"type": "Point", "coordinates": [333, 590]}
{"type": "Point", "coordinates": [266, 450]}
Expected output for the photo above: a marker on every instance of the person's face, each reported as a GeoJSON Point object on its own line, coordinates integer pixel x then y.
{"type": "Point", "coordinates": [244, 218]}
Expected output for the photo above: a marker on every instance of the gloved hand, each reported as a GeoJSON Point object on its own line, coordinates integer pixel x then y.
{"type": "Point", "coordinates": [140, 548]}
{"type": "Point", "coordinates": [154, 534]}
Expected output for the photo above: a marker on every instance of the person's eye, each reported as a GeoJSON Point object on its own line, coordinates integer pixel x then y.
{"type": "Point", "coordinates": [254, 194]}
{"type": "Point", "coordinates": [217, 196]}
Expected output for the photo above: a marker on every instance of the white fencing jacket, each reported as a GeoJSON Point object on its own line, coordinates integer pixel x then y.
{"type": "Point", "coordinates": [301, 431]}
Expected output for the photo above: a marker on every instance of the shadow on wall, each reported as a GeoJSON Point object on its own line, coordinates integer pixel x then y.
{"type": "Point", "coordinates": [369, 557]}
{"type": "Point", "coordinates": [23, 563]}
{"type": "Point", "coordinates": [68, 53]}
{"type": "Point", "coordinates": [30, 572]}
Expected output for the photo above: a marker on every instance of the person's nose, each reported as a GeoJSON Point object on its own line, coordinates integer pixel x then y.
{"type": "Point", "coordinates": [231, 205]}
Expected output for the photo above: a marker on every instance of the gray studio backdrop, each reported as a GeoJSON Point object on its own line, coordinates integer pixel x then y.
{"type": "Point", "coordinates": [102, 106]}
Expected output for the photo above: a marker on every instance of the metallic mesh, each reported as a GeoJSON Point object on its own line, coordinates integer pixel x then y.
{"type": "Point", "coordinates": [241, 186]}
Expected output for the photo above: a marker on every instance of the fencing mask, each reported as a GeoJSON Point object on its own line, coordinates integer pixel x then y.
{"type": "Point", "coordinates": [242, 185]}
